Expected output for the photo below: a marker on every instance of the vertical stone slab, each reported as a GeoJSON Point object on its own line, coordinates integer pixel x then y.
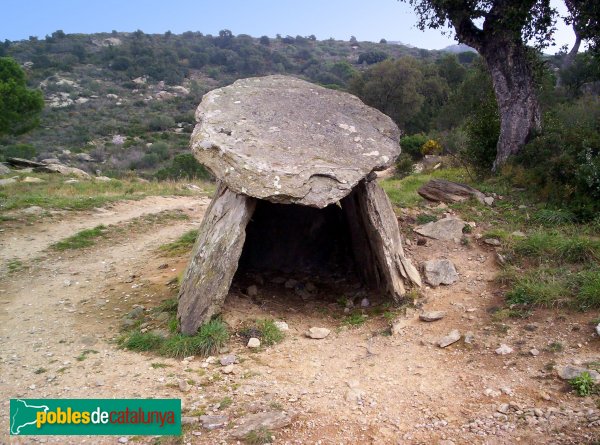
{"type": "Point", "coordinates": [383, 233]}
{"type": "Point", "coordinates": [364, 258]}
{"type": "Point", "coordinates": [214, 258]}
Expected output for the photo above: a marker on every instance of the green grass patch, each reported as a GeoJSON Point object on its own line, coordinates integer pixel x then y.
{"type": "Point", "coordinates": [80, 240]}
{"type": "Point", "coordinates": [169, 305]}
{"type": "Point", "coordinates": [553, 217]}
{"type": "Point", "coordinates": [159, 365]}
{"type": "Point", "coordinates": [181, 246]}
{"type": "Point", "coordinates": [587, 290]}
{"type": "Point", "coordinates": [539, 287]}
{"type": "Point", "coordinates": [355, 319]}
{"type": "Point", "coordinates": [86, 194]}
{"type": "Point", "coordinates": [558, 247]}
{"type": "Point", "coordinates": [226, 402]}
{"type": "Point", "coordinates": [211, 337]}
{"type": "Point", "coordinates": [555, 347]}
{"type": "Point", "coordinates": [553, 287]}
{"type": "Point", "coordinates": [403, 192]}
{"type": "Point", "coordinates": [499, 234]}
{"type": "Point", "coordinates": [141, 342]}
{"type": "Point", "coordinates": [84, 354]}
{"type": "Point", "coordinates": [14, 266]}
{"type": "Point", "coordinates": [424, 218]}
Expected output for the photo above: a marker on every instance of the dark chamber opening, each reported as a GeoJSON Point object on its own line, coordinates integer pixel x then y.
{"type": "Point", "coordinates": [295, 239]}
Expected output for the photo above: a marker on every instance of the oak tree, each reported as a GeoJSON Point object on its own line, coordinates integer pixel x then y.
{"type": "Point", "coordinates": [500, 31]}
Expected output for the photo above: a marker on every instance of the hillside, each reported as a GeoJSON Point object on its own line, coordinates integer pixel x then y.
{"type": "Point", "coordinates": [125, 101]}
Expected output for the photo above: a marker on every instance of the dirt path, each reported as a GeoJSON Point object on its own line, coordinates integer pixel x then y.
{"type": "Point", "coordinates": [357, 386]}
{"type": "Point", "coordinates": [26, 242]}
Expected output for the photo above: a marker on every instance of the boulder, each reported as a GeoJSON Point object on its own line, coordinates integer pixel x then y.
{"type": "Point", "coordinates": [32, 179]}
{"type": "Point", "coordinates": [452, 337]}
{"type": "Point", "coordinates": [448, 191]}
{"type": "Point", "coordinates": [282, 326]}
{"type": "Point", "coordinates": [432, 316]}
{"type": "Point", "coordinates": [439, 272]}
{"type": "Point", "coordinates": [569, 372]}
{"type": "Point", "coordinates": [7, 181]}
{"type": "Point", "coordinates": [23, 163]}
{"type": "Point", "coordinates": [84, 157]}
{"type": "Point", "coordinates": [213, 422]}
{"type": "Point", "coordinates": [269, 420]}
{"type": "Point", "coordinates": [504, 349]}
{"type": "Point", "coordinates": [318, 333]}
{"type": "Point", "coordinates": [286, 140]}
{"type": "Point", "coordinates": [63, 170]}
{"type": "Point", "coordinates": [446, 229]}
{"type": "Point", "coordinates": [253, 343]}
{"type": "Point", "coordinates": [4, 170]}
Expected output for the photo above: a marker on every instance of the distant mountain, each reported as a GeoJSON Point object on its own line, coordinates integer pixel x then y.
{"type": "Point", "coordinates": [460, 48]}
{"type": "Point", "coordinates": [398, 42]}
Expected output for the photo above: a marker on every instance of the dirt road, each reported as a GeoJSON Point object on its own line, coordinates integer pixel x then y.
{"type": "Point", "coordinates": [61, 314]}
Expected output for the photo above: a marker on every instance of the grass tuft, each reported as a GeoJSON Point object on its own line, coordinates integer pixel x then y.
{"type": "Point", "coordinates": [259, 436]}
{"type": "Point", "coordinates": [539, 287]}
{"type": "Point", "coordinates": [211, 337]}
{"type": "Point", "coordinates": [85, 238]}
{"type": "Point", "coordinates": [588, 290]}
{"type": "Point", "coordinates": [553, 217]}
{"type": "Point", "coordinates": [355, 319]}
{"type": "Point", "coordinates": [138, 341]}
{"type": "Point", "coordinates": [14, 266]}
{"type": "Point", "coordinates": [181, 246]}
{"type": "Point", "coordinates": [265, 330]}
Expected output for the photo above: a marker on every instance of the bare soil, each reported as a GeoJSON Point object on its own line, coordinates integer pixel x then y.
{"type": "Point", "coordinates": [359, 385]}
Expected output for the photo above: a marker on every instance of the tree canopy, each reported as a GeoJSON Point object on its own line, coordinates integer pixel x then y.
{"type": "Point", "coordinates": [20, 106]}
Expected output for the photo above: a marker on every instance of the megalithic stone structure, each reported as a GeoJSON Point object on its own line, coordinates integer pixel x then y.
{"type": "Point", "coordinates": [280, 141]}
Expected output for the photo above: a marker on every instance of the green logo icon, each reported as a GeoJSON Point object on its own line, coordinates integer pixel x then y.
{"type": "Point", "coordinates": [51, 417]}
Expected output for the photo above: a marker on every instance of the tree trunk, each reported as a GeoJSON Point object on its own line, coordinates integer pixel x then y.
{"type": "Point", "coordinates": [514, 87]}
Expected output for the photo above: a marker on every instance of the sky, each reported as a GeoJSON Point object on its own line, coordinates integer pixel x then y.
{"type": "Point", "coordinates": [366, 20]}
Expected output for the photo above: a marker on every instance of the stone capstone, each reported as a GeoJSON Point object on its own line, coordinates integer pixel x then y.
{"type": "Point", "coordinates": [286, 140]}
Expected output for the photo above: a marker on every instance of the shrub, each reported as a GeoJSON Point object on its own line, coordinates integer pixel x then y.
{"type": "Point", "coordinates": [583, 385]}
{"type": "Point", "coordinates": [412, 145]}
{"type": "Point", "coordinates": [563, 164]}
{"type": "Point", "coordinates": [160, 123]}
{"type": "Point", "coordinates": [404, 165]}
{"type": "Point", "coordinates": [184, 166]}
{"type": "Point", "coordinates": [431, 147]}
{"type": "Point", "coordinates": [25, 151]}
{"type": "Point", "coordinates": [482, 129]}
{"type": "Point", "coordinates": [160, 149]}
